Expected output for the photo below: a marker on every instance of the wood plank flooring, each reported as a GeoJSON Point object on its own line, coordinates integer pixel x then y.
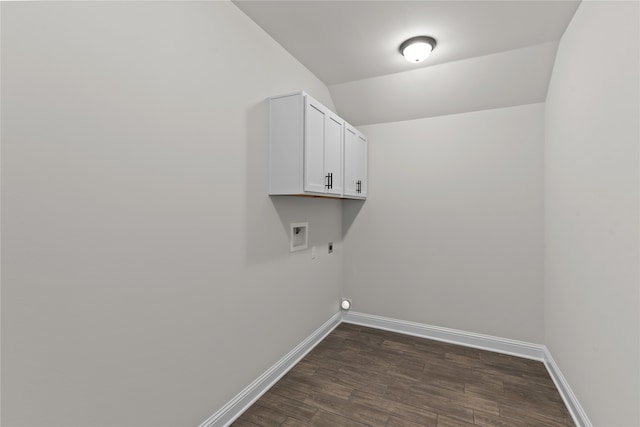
{"type": "Point", "coordinates": [360, 377]}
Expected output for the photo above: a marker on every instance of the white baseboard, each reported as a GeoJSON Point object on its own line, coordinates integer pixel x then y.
{"type": "Point", "coordinates": [571, 402]}
{"type": "Point", "coordinates": [236, 406]}
{"type": "Point", "coordinates": [453, 336]}
{"type": "Point", "coordinates": [484, 342]}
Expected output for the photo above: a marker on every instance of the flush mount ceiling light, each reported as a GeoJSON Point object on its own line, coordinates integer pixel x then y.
{"type": "Point", "coordinates": [417, 49]}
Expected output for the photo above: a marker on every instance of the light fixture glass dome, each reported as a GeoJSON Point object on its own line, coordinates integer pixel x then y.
{"type": "Point", "coordinates": [417, 49]}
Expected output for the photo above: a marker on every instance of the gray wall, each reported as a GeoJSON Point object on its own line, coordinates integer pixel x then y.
{"type": "Point", "coordinates": [451, 234]}
{"type": "Point", "coordinates": [592, 301]}
{"type": "Point", "coordinates": [146, 276]}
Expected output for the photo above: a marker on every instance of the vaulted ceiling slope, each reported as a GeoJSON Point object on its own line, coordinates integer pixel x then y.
{"type": "Point", "coordinates": [490, 53]}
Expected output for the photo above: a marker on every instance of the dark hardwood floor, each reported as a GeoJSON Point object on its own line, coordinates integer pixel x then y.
{"type": "Point", "coordinates": [360, 376]}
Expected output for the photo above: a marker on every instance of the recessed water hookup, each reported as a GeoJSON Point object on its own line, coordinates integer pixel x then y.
{"type": "Point", "coordinates": [299, 236]}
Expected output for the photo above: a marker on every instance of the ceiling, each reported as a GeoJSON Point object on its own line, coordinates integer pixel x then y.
{"type": "Point", "coordinates": [352, 46]}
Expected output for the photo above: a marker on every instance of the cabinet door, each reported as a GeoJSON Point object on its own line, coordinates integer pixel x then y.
{"type": "Point", "coordinates": [350, 161]}
{"type": "Point", "coordinates": [363, 146]}
{"type": "Point", "coordinates": [315, 118]}
{"type": "Point", "coordinates": [355, 163]}
{"type": "Point", "coordinates": [333, 153]}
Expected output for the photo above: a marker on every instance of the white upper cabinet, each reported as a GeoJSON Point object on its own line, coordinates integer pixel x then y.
{"type": "Point", "coordinates": [355, 163]}
{"type": "Point", "coordinates": [306, 148]}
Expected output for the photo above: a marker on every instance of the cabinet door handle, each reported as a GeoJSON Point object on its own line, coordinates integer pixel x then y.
{"type": "Point", "coordinates": [329, 179]}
